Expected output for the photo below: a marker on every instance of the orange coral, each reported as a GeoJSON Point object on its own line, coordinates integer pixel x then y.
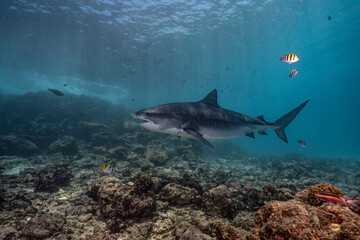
{"type": "Point", "coordinates": [323, 187]}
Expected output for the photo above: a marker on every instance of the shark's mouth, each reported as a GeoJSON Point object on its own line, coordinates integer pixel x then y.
{"type": "Point", "coordinates": [141, 118]}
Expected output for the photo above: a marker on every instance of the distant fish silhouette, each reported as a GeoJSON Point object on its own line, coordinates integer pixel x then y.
{"type": "Point", "coordinates": [56, 92]}
{"type": "Point", "coordinates": [302, 143]}
{"type": "Point", "coordinates": [65, 84]}
{"type": "Point", "coordinates": [234, 185]}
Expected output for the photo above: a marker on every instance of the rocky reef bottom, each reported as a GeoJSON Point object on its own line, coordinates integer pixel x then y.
{"type": "Point", "coordinates": [75, 201]}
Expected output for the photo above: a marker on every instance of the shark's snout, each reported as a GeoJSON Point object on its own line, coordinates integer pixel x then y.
{"type": "Point", "coordinates": [139, 115]}
{"type": "Point", "coordinates": [134, 115]}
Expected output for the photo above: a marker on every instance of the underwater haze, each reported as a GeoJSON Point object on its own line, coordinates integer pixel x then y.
{"type": "Point", "coordinates": [144, 53]}
{"type": "Point", "coordinates": [87, 119]}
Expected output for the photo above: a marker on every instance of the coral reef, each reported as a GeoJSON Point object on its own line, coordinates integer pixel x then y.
{"type": "Point", "coordinates": [323, 187]}
{"type": "Point", "coordinates": [52, 177]}
{"type": "Point", "coordinates": [144, 184]}
{"type": "Point", "coordinates": [13, 145]}
{"type": "Point", "coordinates": [225, 231]}
{"type": "Point", "coordinates": [118, 201]}
{"type": "Point", "coordinates": [66, 145]}
{"type": "Point", "coordinates": [156, 156]}
{"type": "Point", "coordinates": [186, 231]}
{"type": "Point", "coordinates": [296, 220]}
{"type": "Point", "coordinates": [179, 195]}
{"type": "Point", "coordinates": [217, 201]}
{"type": "Point", "coordinates": [43, 226]}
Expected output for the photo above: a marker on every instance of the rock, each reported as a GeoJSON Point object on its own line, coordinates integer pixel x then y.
{"type": "Point", "coordinates": [224, 231]}
{"type": "Point", "coordinates": [297, 220]}
{"type": "Point", "coordinates": [12, 145]}
{"type": "Point", "coordinates": [269, 189]}
{"type": "Point", "coordinates": [118, 154]}
{"type": "Point", "coordinates": [43, 226]}
{"type": "Point", "coordinates": [252, 200]}
{"type": "Point", "coordinates": [183, 179]}
{"type": "Point", "coordinates": [105, 139]}
{"type": "Point", "coordinates": [119, 202]}
{"type": "Point", "coordinates": [103, 181]}
{"type": "Point", "coordinates": [52, 177]}
{"type": "Point", "coordinates": [66, 146]}
{"type": "Point", "coordinates": [179, 195]}
{"type": "Point", "coordinates": [145, 165]}
{"type": "Point", "coordinates": [289, 186]}
{"type": "Point", "coordinates": [144, 184]}
{"type": "Point", "coordinates": [186, 231]}
{"type": "Point", "coordinates": [85, 218]}
{"type": "Point", "coordinates": [8, 233]}
{"type": "Point", "coordinates": [244, 220]}
{"type": "Point", "coordinates": [284, 193]}
{"type": "Point", "coordinates": [126, 172]}
{"type": "Point", "coordinates": [217, 201]}
{"type": "Point", "coordinates": [156, 156]}
{"type": "Point", "coordinates": [86, 129]}
{"type": "Point", "coordinates": [2, 195]}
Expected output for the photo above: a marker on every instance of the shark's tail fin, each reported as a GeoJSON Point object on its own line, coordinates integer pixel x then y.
{"type": "Point", "coordinates": [285, 120]}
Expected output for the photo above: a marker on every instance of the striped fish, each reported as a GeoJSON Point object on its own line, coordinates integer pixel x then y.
{"type": "Point", "coordinates": [293, 73]}
{"type": "Point", "coordinates": [106, 168]}
{"type": "Point", "coordinates": [332, 197]}
{"type": "Point", "coordinates": [289, 58]}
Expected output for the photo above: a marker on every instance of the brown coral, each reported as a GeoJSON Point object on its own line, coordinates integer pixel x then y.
{"type": "Point", "coordinates": [323, 187]}
{"type": "Point", "coordinates": [296, 220]}
{"type": "Point", "coordinates": [144, 184]}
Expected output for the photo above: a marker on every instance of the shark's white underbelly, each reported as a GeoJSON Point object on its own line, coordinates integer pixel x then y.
{"type": "Point", "coordinates": [213, 134]}
{"type": "Point", "coordinates": [173, 131]}
{"type": "Point", "coordinates": [208, 133]}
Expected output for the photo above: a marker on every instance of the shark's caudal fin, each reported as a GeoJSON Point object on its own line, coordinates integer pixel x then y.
{"type": "Point", "coordinates": [285, 120]}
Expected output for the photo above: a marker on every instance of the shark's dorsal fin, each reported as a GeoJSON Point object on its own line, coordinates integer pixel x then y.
{"type": "Point", "coordinates": [261, 117]}
{"type": "Point", "coordinates": [262, 132]}
{"type": "Point", "coordinates": [251, 134]}
{"type": "Point", "coordinates": [211, 98]}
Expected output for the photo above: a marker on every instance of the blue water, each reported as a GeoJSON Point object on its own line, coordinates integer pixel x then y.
{"type": "Point", "coordinates": [143, 53]}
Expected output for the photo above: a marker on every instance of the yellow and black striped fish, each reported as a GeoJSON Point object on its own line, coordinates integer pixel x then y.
{"type": "Point", "coordinates": [293, 73]}
{"type": "Point", "coordinates": [289, 58]}
{"type": "Point", "coordinates": [106, 168]}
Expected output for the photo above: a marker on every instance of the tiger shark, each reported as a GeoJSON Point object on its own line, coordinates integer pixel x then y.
{"type": "Point", "coordinates": [206, 120]}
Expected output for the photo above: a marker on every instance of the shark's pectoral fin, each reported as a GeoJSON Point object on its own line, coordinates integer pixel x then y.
{"type": "Point", "coordinates": [251, 134]}
{"type": "Point", "coordinates": [198, 136]}
{"type": "Point", "coordinates": [262, 132]}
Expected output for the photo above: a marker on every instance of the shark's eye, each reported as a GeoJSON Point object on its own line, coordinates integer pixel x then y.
{"type": "Point", "coordinates": [147, 114]}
